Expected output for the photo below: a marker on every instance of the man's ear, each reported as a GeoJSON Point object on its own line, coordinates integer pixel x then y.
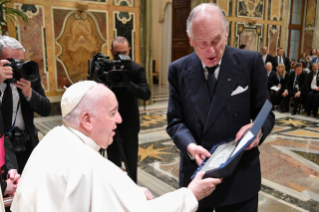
{"type": "Point", "coordinates": [86, 121]}
{"type": "Point", "coordinates": [190, 41]}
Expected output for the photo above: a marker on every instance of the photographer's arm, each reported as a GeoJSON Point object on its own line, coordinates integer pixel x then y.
{"type": "Point", "coordinates": [39, 102]}
{"type": "Point", "coordinates": [138, 85]}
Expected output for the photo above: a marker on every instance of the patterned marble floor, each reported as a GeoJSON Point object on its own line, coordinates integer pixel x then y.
{"type": "Point", "coordinates": [289, 157]}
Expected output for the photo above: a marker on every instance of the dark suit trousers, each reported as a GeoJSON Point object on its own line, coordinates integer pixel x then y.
{"type": "Point", "coordinates": [296, 101]}
{"type": "Point", "coordinates": [130, 147]}
{"type": "Point", "coordinates": [250, 205]}
{"type": "Point", "coordinates": [312, 102]}
{"type": "Point", "coordinates": [275, 97]}
{"type": "Point", "coordinates": [22, 157]}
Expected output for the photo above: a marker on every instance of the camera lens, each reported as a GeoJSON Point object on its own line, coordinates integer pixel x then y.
{"type": "Point", "coordinates": [30, 71]}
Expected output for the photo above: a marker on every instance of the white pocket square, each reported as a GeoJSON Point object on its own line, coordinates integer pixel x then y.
{"type": "Point", "coordinates": [239, 90]}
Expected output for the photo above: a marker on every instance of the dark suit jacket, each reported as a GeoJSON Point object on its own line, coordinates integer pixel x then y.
{"type": "Point", "coordinates": [127, 99]}
{"type": "Point", "coordinates": [286, 61]}
{"type": "Point", "coordinates": [193, 119]}
{"type": "Point", "coordinates": [271, 79]}
{"type": "Point", "coordinates": [269, 58]}
{"type": "Point", "coordinates": [282, 82]}
{"type": "Point", "coordinates": [314, 60]}
{"type": "Point", "coordinates": [39, 103]}
{"type": "Point", "coordinates": [302, 83]}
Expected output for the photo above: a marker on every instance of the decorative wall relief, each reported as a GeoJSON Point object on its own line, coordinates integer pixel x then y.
{"type": "Point", "coordinates": [275, 10]}
{"type": "Point", "coordinates": [97, 0]}
{"type": "Point", "coordinates": [226, 6]}
{"type": "Point", "coordinates": [129, 3]}
{"type": "Point", "coordinates": [311, 13]}
{"type": "Point", "coordinates": [250, 8]}
{"type": "Point", "coordinates": [250, 35]}
{"type": "Point", "coordinates": [124, 25]}
{"type": "Point", "coordinates": [32, 38]}
{"type": "Point", "coordinates": [273, 39]}
{"type": "Point", "coordinates": [308, 41]}
{"type": "Point", "coordinates": [80, 37]}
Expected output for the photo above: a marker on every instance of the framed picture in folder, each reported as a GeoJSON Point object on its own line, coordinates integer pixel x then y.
{"type": "Point", "coordinates": [226, 155]}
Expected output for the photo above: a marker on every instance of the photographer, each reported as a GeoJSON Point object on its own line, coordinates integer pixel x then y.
{"type": "Point", "coordinates": [19, 101]}
{"type": "Point", "coordinates": [127, 98]}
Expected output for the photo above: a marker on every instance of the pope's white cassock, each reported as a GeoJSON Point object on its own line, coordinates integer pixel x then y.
{"type": "Point", "coordinates": [66, 173]}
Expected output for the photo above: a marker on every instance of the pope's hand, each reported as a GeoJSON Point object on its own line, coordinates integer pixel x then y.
{"type": "Point", "coordinates": [148, 194]}
{"type": "Point", "coordinates": [201, 188]}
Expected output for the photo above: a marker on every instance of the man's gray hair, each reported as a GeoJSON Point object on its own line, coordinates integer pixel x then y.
{"type": "Point", "coordinates": [202, 8]}
{"type": "Point", "coordinates": [8, 42]}
{"type": "Point", "coordinates": [268, 63]}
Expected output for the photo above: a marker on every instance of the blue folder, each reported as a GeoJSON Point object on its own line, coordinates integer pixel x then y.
{"type": "Point", "coordinates": [230, 151]}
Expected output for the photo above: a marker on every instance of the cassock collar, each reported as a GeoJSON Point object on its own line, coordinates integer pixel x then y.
{"type": "Point", "coordinates": [88, 141]}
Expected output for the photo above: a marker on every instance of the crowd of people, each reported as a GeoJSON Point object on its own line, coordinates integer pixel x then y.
{"type": "Point", "coordinates": [293, 83]}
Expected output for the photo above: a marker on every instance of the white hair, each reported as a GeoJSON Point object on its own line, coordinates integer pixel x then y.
{"type": "Point", "coordinates": [204, 8]}
{"type": "Point", "coordinates": [89, 102]}
{"type": "Point", "coordinates": [8, 42]}
{"type": "Point", "coordinates": [268, 63]}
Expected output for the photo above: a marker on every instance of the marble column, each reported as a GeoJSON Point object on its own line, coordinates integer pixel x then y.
{"type": "Point", "coordinates": [146, 42]}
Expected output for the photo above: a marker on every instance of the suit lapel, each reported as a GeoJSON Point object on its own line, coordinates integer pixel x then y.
{"type": "Point", "coordinates": [227, 79]}
{"type": "Point", "coordinates": [199, 96]}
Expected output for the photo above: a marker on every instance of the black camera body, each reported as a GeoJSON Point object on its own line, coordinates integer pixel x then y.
{"type": "Point", "coordinates": [112, 73]}
{"type": "Point", "coordinates": [28, 70]}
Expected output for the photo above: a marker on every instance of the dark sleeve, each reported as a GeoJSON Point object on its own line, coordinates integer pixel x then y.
{"type": "Point", "coordinates": [3, 187]}
{"type": "Point", "coordinates": [176, 126]}
{"type": "Point", "coordinates": [287, 64]}
{"type": "Point", "coordinates": [284, 83]}
{"type": "Point", "coordinates": [138, 86]}
{"type": "Point", "coordinates": [39, 102]}
{"type": "Point", "coordinates": [290, 82]}
{"type": "Point", "coordinates": [10, 157]}
{"type": "Point", "coordinates": [260, 95]}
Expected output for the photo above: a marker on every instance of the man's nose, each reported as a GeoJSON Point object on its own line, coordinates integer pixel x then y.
{"type": "Point", "coordinates": [118, 118]}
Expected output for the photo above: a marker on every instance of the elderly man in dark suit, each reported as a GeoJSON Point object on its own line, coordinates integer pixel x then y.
{"type": "Point", "coordinates": [296, 87]}
{"type": "Point", "coordinates": [20, 100]}
{"type": "Point", "coordinates": [214, 94]}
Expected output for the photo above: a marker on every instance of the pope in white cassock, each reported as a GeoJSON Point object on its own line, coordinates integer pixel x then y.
{"type": "Point", "coordinates": [66, 172]}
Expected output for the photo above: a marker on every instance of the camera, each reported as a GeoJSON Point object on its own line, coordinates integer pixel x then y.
{"type": "Point", "coordinates": [19, 139]}
{"type": "Point", "coordinates": [112, 73]}
{"type": "Point", "coordinates": [28, 70]}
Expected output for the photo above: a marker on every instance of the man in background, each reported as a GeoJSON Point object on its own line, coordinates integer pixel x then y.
{"type": "Point", "coordinates": [265, 56]}
{"type": "Point", "coordinates": [19, 102]}
{"type": "Point", "coordinates": [280, 58]}
{"type": "Point", "coordinates": [127, 97]}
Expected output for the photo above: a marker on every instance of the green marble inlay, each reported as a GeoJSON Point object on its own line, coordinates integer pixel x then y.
{"type": "Point", "coordinates": [313, 157]}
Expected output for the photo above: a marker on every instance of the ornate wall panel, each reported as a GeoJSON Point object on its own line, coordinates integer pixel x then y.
{"type": "Point", "coordinates": [273, 39]}
{"type": "Point", "coordinates": [308, 41]}
{"type": "Point", "coordinates": [311, 13]}
{"type": "Point", "coordinates": [229, 33]}
{"type": "Point", "coordinates": [226, 6]}
{"type": "Point", "coordinates": [32, 37]}
{"type": "Point", "coordinates": [275, 10]}
{"type": "Point", "coordinates": [129, 3]}
{"type": "Point", "coordinates": [124, 25]}
{"type": "Point", "coordinates": [82, 35]}
{"type": "Point", "coordinates": [250, 35]}
{"type": "Point", "coordinates": [250, 8]}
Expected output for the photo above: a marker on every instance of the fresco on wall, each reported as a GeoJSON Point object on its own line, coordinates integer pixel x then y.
{"type": "Point", "coordinates": [273, 39]}
{"type": "Point", "coordinates": [32, 38]}
{"type": "Point", "coordinates": [124, 25]}
{"type": "Point", "coordinates": [275, 10]}
{"type": "Point", "coordinates": [79, 39]}
{"type": "Point", "coordinates": [308, 41]}
{"type": "Point", "coordinates": [250, 8]}
{"type": "Point", "coordinates": [129, 3]}
{"type": "Point", "coordinates": [250, 35]}
{"type": "Point", "coordinates": [311, 13]}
